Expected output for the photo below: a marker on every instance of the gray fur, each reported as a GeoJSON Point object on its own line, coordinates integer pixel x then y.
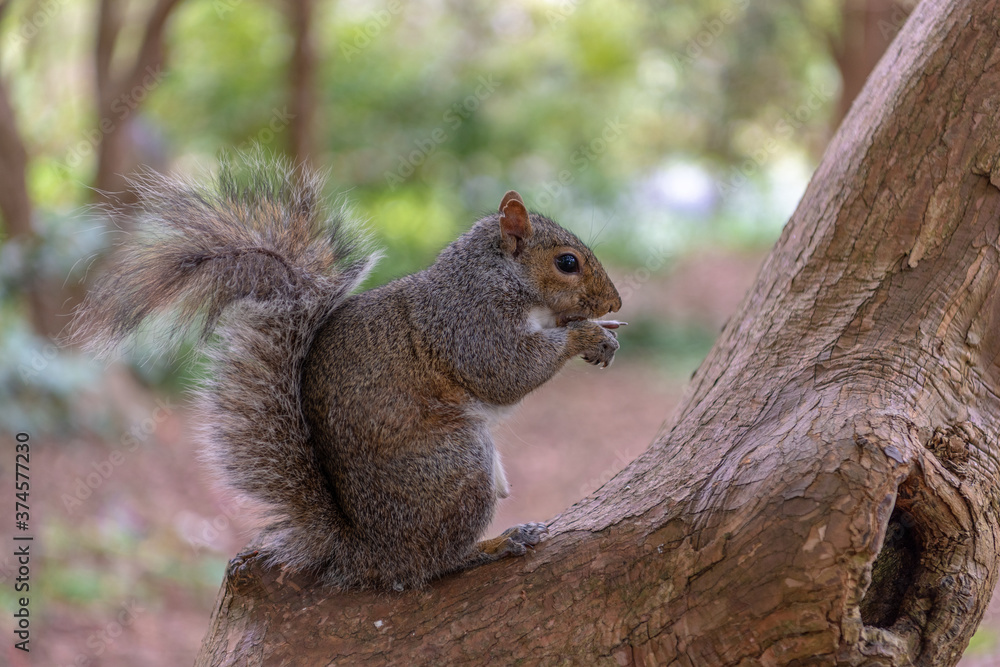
{"type": "Point", "coordinates": [360, 424]}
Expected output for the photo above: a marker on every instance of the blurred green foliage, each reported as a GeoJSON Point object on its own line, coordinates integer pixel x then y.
{"type": "Point", "coordinates": [677, 348]}
{"type": "Point", "coordinates": [646, 127]}
{"type": "Point", "coordinates": [517, 92]}
{"type": "Point", "coordinates": [983, 643]}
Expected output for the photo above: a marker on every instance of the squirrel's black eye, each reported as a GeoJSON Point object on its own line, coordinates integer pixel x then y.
{"type": "Point", "coordinates": [568, 263]}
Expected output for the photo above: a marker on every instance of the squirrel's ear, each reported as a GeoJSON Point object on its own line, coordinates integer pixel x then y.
{"type": "Point", "coordinates": [514, 223]}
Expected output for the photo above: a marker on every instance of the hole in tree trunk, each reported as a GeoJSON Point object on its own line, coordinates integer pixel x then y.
{"type": "Point", "coordinates": [893, 572]}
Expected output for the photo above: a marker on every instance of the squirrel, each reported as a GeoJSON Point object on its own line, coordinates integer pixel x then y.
{"type": "Point", "coordinates": [359, 422]}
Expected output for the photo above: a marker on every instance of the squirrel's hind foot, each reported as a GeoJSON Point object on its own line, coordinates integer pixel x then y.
{"type": "Point", "coordinates": [240, 570]}
{"type": "Point", "coordinates": [514, 541]}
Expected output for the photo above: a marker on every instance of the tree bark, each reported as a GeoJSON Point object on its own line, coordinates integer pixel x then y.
{"type": "Point", "coordinates": [302, 81]}
{"type": "Point", "coordinates": [867, 28]}
{"type": "Point", "coordinates": [851, 401]}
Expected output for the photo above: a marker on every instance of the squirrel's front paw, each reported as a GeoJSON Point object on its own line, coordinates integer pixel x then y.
{"type": "Point", "coordinates": [599, 343]}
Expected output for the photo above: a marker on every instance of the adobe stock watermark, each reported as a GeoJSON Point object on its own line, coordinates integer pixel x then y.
{"type": "Point", "coordinates": [453, 118]}
{"type": "Point", "coordinates": [654, 261]}
{"type": "Point", "coordinates": [38, 361]}
{"type": "Point", "coordinates": [594, 483]}
{"type": "Point", "coordinates": [224, 7]}
{"type": "Point", "coordinates": [711, 30]}
{"type": "Point", "coordinates": [900, 12]}
{"type": "Point", "coordinates": [582, 158]}
{"type": "Point", "coordinates": [100, 642]}
{"type": "Point", "coordinates": [121, 108]}
{"type": "Point", "coordinates": [30, 25]}
{"type": "Point", "coordinates": [366, 33]}
{"type": "Point", "coordinates": [101, 471]}
{"type": "Point", "coordinates": [785, 127]}
{"type": "Point", "coordinates": [202, 533]}
{"type": "Point", "coordinates": [562, 11]}
{"type": "Point", "coordinates": [278, 122]}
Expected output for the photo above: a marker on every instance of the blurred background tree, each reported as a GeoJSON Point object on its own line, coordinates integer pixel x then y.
{"type": "Point", "coordinates": [653, 129]}
{"type": "Point", "coordinates": [664, 124]}
{"type": "Point", "coordinates": [426, 110]}
{"type": "Point", "coordinates": [650, 126]}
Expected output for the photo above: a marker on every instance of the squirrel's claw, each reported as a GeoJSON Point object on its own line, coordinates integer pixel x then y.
{"type": "Point", "coordinates": [529, 534]}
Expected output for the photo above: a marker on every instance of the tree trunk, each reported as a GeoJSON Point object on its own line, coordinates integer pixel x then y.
{"type": "Point", "coordinates": [302, 81]}
{"type": "Point", "coordinates": [16, 211]}
{"type": "Point", "coordinates": [867, 27]}
{"type": "Point", "coordinates": [851, 401]}
{"type": "Point", "coordinates": [120, 94]}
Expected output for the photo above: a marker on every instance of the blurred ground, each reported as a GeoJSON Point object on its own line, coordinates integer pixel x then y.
{"type": "Point", "coordinates": [131, 542]}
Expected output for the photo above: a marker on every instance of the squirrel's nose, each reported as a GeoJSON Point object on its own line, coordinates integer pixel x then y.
{"type": "Point", "coordinates": [616, 301]}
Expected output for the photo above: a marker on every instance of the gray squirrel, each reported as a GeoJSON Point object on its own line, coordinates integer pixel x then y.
{"type": "Point", "coordinates": [360, 423]}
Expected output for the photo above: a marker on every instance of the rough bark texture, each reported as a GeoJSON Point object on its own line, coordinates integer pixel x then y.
{"type": "Point", "coordinates": [851, 401]}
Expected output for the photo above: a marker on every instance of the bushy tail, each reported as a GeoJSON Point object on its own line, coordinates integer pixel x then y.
{"type": "Point", "coordinates": [261, 263]}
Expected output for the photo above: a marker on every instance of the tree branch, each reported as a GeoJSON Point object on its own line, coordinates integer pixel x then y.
{"type": "Point", "coordinates": [838, 445]}
{"type": "Point", "coordinates": [150, 56]}
{"type": "Point", "coordinates": [108, 27]}
{"type": "Point", "coordinates": [114, 148]}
